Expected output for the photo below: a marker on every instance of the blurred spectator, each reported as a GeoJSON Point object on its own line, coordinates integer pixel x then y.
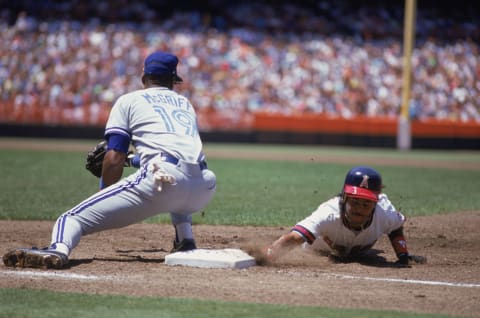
{"type": "Point", "coordinates": [67, 61]}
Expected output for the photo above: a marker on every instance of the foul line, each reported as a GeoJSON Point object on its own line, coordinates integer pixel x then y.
{"type": "Point", "coordinates": [50, 274]}
{"type": "Point", "coordinates": [73, 276]}
{"type": "Point", "coordinates": [405, 281]}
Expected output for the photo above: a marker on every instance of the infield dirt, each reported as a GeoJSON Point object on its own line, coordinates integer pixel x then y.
{"type": "Point", "coordinates": [130, 261]}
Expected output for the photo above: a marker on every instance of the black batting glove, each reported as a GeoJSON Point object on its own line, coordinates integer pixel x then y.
{"type": "Point", "coordinates": [406, 259]}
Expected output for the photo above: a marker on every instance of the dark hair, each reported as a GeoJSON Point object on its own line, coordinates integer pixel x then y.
{"type": "Point", "coordinates": [158, 80]}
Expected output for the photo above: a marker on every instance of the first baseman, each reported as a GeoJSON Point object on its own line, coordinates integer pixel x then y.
{"type": "Point", "coordinates": [349, 224]}
{"type": "Point", "coordinates": [173, 176]}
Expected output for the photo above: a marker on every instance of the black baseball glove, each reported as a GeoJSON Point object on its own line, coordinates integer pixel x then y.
{"type": "Point", "coordinates": [95, 159]}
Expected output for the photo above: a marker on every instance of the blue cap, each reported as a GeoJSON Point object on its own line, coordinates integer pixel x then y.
{"type": "Point", "coordinates": [161, 63]}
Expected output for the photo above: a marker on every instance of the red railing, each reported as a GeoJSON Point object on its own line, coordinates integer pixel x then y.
{"type": "Point", "coordinates": [211, 120]}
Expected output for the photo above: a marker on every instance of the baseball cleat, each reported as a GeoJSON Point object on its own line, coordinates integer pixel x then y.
{"type": "Point", "coordinates": [183, 246]}
{"type": "Point", "coordinates": [35, 258]}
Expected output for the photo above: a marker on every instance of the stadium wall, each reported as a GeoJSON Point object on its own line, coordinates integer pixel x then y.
{"type": "Point", "coordinates": [299, 129]}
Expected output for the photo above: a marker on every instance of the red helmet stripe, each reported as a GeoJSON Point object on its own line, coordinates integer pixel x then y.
{"type": "Point", "coordinates": [361, 193]}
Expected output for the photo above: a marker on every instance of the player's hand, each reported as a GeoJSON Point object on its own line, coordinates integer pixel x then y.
{"type": "Point", "coordinates": [262, 255]}
{"type": "Point", "coordinates": [407, 260]}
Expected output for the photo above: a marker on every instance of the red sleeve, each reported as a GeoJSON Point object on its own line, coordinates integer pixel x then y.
{"type": "Point", "coordinates": [307, 235]}
{"type": "Point", "coordinates": [398, 241]}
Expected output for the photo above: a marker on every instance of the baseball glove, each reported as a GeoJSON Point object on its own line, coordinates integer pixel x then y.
{"type": "Point", "coordinates": [95, 159]}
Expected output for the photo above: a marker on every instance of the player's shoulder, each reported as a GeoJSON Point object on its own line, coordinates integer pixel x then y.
{"type": "Point", "coordinates": [129, 96]}
{"type": "Point", "coordinates": [180, 96]}
{"type": "Point", "coordinates": [384, 202]}
{"type": "Point", "coordinates": [329, 208]}
{"type": "Point", "coordinates": [330, 203]}
{"type": "Point", "coordinates": [385, 207]}
{"type": "Point", "coordinates": [133, 94]}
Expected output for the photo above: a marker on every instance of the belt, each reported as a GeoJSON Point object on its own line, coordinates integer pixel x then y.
{"type": "Point", "coordinates": [173, 160]}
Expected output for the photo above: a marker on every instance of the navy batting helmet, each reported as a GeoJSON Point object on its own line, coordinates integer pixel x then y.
{"type": "Point", "coordinates": [363, 182]}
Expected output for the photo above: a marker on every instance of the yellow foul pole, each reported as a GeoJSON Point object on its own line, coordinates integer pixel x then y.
{"type": "Point", "coordinates": [404, 138]}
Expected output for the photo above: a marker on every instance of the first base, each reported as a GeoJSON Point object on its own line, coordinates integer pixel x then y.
{"type": "Point", "coordinates": [225, 258]}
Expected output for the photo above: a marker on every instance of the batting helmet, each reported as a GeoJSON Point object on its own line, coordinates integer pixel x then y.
{"type": "Point", "coordinates": [363, 182]}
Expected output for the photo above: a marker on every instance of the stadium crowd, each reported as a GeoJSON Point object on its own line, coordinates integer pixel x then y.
{"type": "Point", "coordinates": [67, 61]}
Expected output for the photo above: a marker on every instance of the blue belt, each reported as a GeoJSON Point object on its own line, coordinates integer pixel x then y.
{"type": "Point", "coordinates": [173, 160]}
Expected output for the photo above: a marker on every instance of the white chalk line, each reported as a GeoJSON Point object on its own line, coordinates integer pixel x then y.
{"type": "Point", "coordinates": [73, 276]}
{"type": "Point", "coordinates": [52, 274]}
{"type": "Point", "coordinates": [404, 281]}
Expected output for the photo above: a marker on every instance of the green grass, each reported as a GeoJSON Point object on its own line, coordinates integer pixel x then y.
{"type": "Point", "coordinates": [42, 185]}
{"type": "Point", "coordinates": [24, 303]}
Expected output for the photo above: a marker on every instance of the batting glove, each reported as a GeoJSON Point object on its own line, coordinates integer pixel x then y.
{"type": "Point", "coordinates": [161, 176]}
{"type": "Point", "coordinates": [406, 259]}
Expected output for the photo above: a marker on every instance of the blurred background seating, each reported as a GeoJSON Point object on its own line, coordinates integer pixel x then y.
{"type": "Point", "coordinates": [66, 62]}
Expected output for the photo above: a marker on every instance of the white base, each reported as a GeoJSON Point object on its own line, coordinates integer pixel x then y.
{"type": "Point", "coordinates": [225, 258]}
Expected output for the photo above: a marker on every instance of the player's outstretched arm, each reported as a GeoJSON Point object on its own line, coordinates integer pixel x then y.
{"type": "Point", "coordinates": [280, 247]}
{"type": "Point", "coordinates": [399, 244]}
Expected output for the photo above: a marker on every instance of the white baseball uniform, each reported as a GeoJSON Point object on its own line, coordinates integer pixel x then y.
{"type": "Point", "coordinates": [162, 126]}
{"type": "Point", "coordinates": [324, 230]}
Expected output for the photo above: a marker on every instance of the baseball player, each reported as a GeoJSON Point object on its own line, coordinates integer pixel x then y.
{"type": "Point", "coordinates": [349, 224]}
{"type": "Point", "coordinates": [173, 176]}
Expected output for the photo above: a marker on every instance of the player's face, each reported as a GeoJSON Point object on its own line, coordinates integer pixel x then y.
{"type": "Point", "coordinates": [358, 211]}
